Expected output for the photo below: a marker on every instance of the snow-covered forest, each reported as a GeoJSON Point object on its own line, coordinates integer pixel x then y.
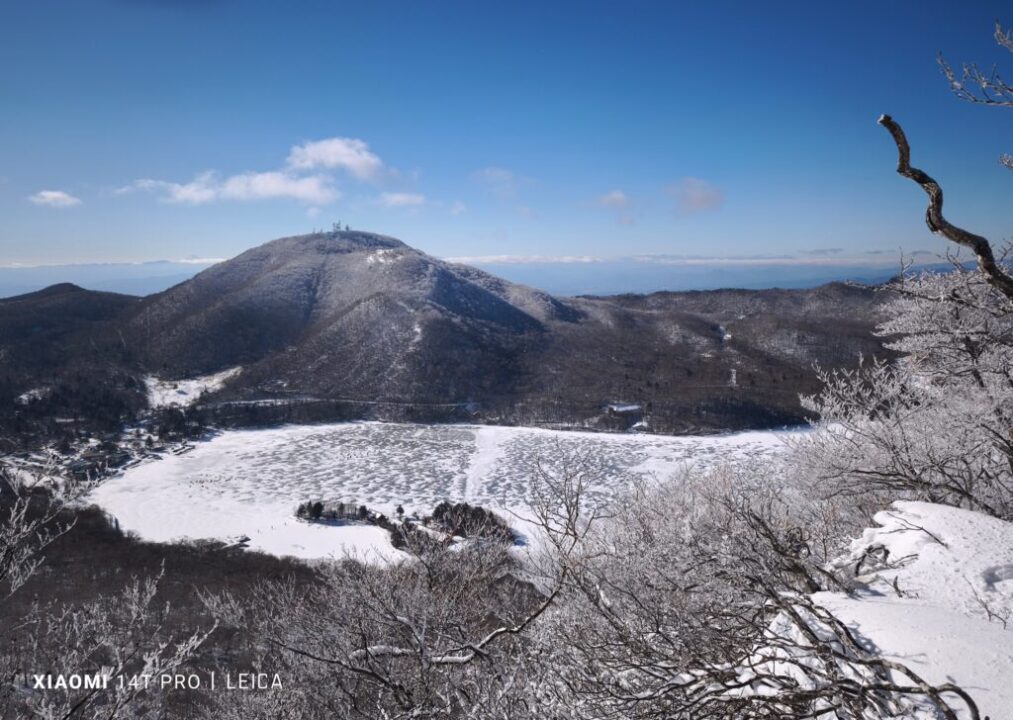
{"type": "Point", "coordinates": [864, 574]}
{"type": "Point", "coordinates": [863, 571]}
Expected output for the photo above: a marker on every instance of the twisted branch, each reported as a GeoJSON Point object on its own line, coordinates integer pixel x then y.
{"type": "Point", "coordinates": [934, 214]}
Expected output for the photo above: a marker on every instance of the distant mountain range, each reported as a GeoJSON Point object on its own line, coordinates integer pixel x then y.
{"type": "Point", "coordinates": [659, 274]}
{"type": "Point", "coordinates": [559, 276]}
{"type": "Point", "coordinates": [366, 326]}
{"type": "Point", "coordinates": [128, 278]}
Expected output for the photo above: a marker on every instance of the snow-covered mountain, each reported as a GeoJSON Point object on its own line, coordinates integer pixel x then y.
{"type": "Point", "coordinates": [365, 319]}
{"type": "Point", "coordinates": [347, 315]}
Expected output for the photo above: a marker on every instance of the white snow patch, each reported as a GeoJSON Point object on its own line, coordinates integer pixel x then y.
{"type": "Point", "coordinates": [32, 395]}
{"type": "Point", "coordinates": [949, 565]}
{"type": "Point", "coordinates": [382, 256]}
{"type": "Point", "coordinates": [163, 393]}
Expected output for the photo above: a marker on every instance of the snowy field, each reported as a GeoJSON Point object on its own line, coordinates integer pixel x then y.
{"type": "Point", "coordinates": [248, 482]}
{"type": "Point", "coordinates": [163, 393]}
{"type": "Point", "coordinates": [943, 606]}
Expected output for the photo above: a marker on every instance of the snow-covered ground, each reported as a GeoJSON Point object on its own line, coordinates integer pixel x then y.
{"type": "Point", "coordinates": [162, 393]}
{"type": "Point", "coordinates": [248, 482]}
{"type": "Point", "coordinates": [942, 604]}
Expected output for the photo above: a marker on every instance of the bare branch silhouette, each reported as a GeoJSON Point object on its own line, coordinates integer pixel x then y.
{"type": "Point", "coordinates": [934, 214]}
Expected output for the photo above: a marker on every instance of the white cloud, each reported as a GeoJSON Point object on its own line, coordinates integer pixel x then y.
{"type": "Point", "coordinates": [458, 208]}
{"type": "Point", "coordinates": [494, 175]}
{"type": "Point", "coordinates": [307, 176]}
{"type": "Point", "coordinates": [402, 199]}
{"type": "Point", "coordinates": [312, 212]}
{"type": "Point", "coordinates": [694, 195]}
{"type": "Point", "coordinates": [615, 199]}
{"type": "Point", "coordinates": [54, 198]}
{"type": "Point", "coordinates": [758, 260]}
{"type": "Point", "coordinates": [316, 189]}
{"type": "Point", "coordinates": [208, 187]}
{"type": "Point", "coordinates": [200, 190]}
{"type": "Point", "coordinates": [523, 259]}
{"type": "Point", "coordinates": [349, 154]}
{"type": "Point", "coordinates": [201, 261]}
{"type": "Point", "coordinates": [500, 181]}
{"type": "Point", "coordinates": [620, 203]}
{"type": "Point", "coordinates": [785, 260]}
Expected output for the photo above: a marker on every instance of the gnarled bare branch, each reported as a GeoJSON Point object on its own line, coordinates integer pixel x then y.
{"type": "Point", "coordinates": [934, 214]}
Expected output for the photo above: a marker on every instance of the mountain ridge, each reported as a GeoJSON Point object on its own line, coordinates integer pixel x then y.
{"type": "Point", "coordinates": [364, 318]}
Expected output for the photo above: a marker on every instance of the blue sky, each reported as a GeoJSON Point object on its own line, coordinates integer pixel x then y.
{"type": "Point", "coordinates": [564, 130]}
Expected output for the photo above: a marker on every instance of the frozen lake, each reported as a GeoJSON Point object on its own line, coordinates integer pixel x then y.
{"type": "Point", "coordinates": [248, 482]}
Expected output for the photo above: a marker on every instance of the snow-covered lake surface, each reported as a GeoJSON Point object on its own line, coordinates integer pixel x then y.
{"type": "Point", "coordinates": [248, 482]}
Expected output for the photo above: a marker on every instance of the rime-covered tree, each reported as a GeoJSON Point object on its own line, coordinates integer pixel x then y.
{"type": "Point", "coordinates": [974, 85]}
{"type": "Point", "coordinates": [118, 636]}
{"type": "Point", "coordinates": [937, 424]}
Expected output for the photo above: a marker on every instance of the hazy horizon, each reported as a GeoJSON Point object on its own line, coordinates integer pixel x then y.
{"type": "Point", "coordinates": [560, 275]}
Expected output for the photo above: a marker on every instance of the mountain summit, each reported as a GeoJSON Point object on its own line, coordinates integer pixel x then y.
{"type": "Point", "coordinates": [348, 314]}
